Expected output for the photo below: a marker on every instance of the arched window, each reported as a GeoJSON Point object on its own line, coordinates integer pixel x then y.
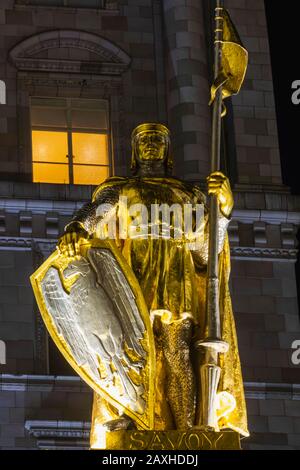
{"type": "Point", "coordinates": [72, 126]}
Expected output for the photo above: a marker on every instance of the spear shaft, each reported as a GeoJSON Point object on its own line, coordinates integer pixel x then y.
{"type": "Point", "coordinates": [212, 343]}
{"type": "Point", "coordinates": [213, 314]}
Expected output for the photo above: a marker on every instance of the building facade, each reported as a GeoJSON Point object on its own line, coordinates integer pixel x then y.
{"type": "Point", "coordinates": [76, 77]}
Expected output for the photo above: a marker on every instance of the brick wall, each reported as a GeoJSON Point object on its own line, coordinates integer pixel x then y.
{"type": "Point", "coordinates": [266, 312]}
{"type": "Point", "coordinates": [258, 156]}
{"type": "Point", "coordinates": [142, 94]}
{"type": "Point", "coordinates": [35, 409]}
{"type": "Point", "coordinates": [265, 302]}
{"type": "Point", "coordinates": [188, 87]}
{"type": "Point", "coordinates": [167, 81]}
{"type": "Point", "coordinates": [16, 311]}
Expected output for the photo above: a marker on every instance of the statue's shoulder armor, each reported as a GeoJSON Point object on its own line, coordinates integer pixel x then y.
{"type": "Point", "coordinates": [114, 182]}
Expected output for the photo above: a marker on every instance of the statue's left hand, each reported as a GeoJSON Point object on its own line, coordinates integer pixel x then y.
{"type": "Point", "coordinates": [219, 185]}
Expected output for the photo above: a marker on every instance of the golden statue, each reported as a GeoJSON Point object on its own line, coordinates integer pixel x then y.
{"type": "Point", "coordinates": [172, 278]}
{"type": "Point", "coordinates": [140, 305]}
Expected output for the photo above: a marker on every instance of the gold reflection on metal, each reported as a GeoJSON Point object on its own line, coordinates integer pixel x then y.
{"type": "Point", "coordinates": [168, 282]}
{"type": "Point", "coordinates": [171, 440]}
{"type": "Point", "coordinates": [234, 60]}
{"type": "Point", "coordinates": [159, 135]}
{"type": "Point", "coordinates": [69, 336]}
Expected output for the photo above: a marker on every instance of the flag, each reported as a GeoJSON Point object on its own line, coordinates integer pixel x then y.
{"type": "Point", "coordinates": [233, 64]}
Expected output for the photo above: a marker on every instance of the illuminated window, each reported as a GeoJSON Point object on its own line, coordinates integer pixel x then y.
{"type": "Point", "coordinates": [69, 141]}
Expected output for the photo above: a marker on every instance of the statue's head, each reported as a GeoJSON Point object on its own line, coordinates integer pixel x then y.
{"type": "Point", "coordinates": [150, 143]}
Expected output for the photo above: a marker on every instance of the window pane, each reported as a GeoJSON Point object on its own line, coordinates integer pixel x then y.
{"type": "Point", "coordinates": [90, 174]}
{"type": "Point", "coordinates": [89, 113]}
{"type": "Point", "coordinates": [50, 173]}
{"type": "Point", "coordinates": [49, 102]}
{"type": "Point", "coordinates": [89, 119]}
{"type": "Point", "coordinates": [48, 117]}
{"type": "Point", "coordinates": [81, 103]}
{"type": "Point", "coordinates": [90, 148]}
{"type": "Point", "coordinates": [49, 146]}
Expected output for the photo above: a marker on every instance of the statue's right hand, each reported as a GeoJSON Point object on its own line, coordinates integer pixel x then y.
{"type": "Point", "coordinates": [69, 244]}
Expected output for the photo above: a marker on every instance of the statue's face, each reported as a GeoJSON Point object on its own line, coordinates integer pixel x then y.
{"type": "Point", "coordinates": [151, 146]}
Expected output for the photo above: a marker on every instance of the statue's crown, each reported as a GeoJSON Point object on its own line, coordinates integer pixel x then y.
{"type": "Point", "coordinates": [150, 127]}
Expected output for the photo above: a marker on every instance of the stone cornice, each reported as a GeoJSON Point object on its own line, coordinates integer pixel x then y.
{"type": "Point", "coordinates": [46, 246]}
{"type": "Point", "coordinates": [42, 383]}
{"type": "Point", "coordinates": [249, 216]}
{"type": "Point", "coordinates": [110, 86]}
{"type": "Point", "coordinates": [48, 428]}
{"type": "Point", "coordinates": [48, 383]}
{"type": "Point", "coordinates": [112, 60]}
{"type": "Point", "coordinates": [39, 206]}
{"type": "Point", "coordinates": [272, 391]}
{"type": "Point", "coordinates": [69, 66]}
{"type": "Point", "coordinates": [15, 243]}
{"type": "Point", "coordinates": [263, 253]}
{"type": "Point", "coordinates": [109, 8]}
{"type": "Point", "coordinates": [67, 435]}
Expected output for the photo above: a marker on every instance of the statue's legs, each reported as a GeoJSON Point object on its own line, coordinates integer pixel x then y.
{"type": "Point", "coordinates": [174, 338]}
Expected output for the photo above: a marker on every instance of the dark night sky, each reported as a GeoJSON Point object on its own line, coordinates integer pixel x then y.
{"type": "Point", "coordinates": [284, 34]}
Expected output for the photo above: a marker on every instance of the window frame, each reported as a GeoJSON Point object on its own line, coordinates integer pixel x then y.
{"type": "Point", "coordinates": [69, 130]}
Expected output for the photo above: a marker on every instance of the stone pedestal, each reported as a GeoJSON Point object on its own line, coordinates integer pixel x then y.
{"type": "Point", "coordinates": [172, 440]}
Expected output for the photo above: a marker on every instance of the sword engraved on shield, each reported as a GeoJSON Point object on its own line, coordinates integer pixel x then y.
{"type": "Point", "coordinates": [95, 312]}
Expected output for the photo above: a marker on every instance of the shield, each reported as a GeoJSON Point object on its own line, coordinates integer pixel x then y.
{"type": "Point", "coordinates": [96, 314]}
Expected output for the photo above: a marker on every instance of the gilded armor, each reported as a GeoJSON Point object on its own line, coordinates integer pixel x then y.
{"type": "Point", "coordinates": [172, 277]}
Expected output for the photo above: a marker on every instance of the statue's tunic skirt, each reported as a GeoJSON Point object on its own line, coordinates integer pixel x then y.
{"type": "Point", "coordinates": [164, 266]}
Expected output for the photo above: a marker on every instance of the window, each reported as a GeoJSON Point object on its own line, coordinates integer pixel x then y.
{"type": "Point", "coordinates": [69, 140]}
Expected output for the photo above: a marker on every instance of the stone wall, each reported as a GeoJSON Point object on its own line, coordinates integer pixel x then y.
{"type": "Point", "coordinates": [263, 236]}
{"type": "Point", "coordinates": [166, 80]}
{"type": "Point", "coordinates": [258, 157]}
{"type": "Point", "coordinates": [44, 412]}
{"type": "Point", "coordinates": [188, 87]}
{"type": "Point", "coordinates": [137, 94]}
